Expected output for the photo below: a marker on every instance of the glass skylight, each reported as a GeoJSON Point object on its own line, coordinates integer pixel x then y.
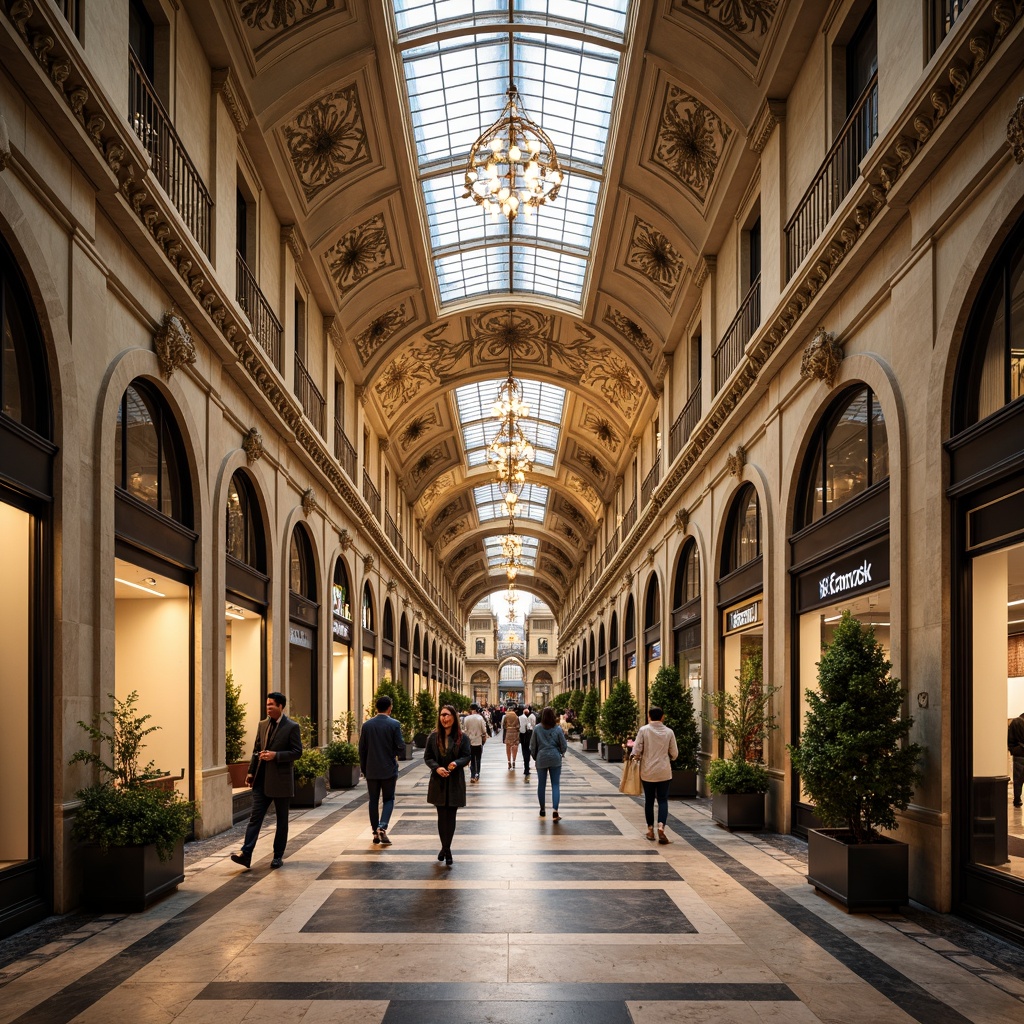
{"type": "Point", "coordinates": [565, 62]}
{"type": "Point", "coordinates": [492, 545]}
{"type": "Point", "coordinates": [490, 506]}
{"type": "Point", "coordinates": [541, 427]}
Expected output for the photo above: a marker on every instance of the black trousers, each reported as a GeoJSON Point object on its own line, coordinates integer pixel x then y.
{"type": "Point", "coordinates": [524, 746]}
{"type": "Point", "coordinates": [446, 826]}
{"type": "Point", "coordinates": [260, 805]}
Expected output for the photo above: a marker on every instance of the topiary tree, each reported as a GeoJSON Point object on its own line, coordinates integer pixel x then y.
{"type": "Point", "coordinates": [676, 701]}
{"type": "Point", "coordinates": [234, 721]}
{"type": "Point", "coordinates": [590, 712]}
{"type": "Point", "coordinates": [459, 701]}
{"type": "Point", "coordinates": [853, 757]}
{"type": "Point", "coordinates": [426, 712]}
{"type": "Point", "coordinates": [576, 699]}
{"type": "Point", "coordinates": [619, 714]}
{"type": "Point", "coordinates": [560, 701]}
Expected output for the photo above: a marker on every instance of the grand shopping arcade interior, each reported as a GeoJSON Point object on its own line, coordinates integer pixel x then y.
{"type": "Point", "coordinates": [511, 349]}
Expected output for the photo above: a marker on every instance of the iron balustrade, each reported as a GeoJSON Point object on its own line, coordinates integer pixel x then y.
{"type": "Point", "coordinates": [343, 451]}
{"type": "Point", "coordinates": [651, 481]}
{"type": "Point", "coordinates": [944, 14]}
{"type": "Point", "coordinates": [611, 547]}
{"type": "Point", "coordinates": [172, 167]}
{"type": "Point", "coordinates": [730, 349]}
{"type": "Point", "coordinates": [71, 9]}
{"type": "Point", "coordinates": [391, 528]}
{"type": "Point", "coordinates": [629, 519]}
{"type": "Point", "coordinates": [266, 328]}
{"type": "Point", "coordinates": [685, 423]}
{"type": "Point", "coordinates": [836, 176]}
{"type": "Point", "coordinates": [410, 560]}
{"type": "Point", "coordinates": [371, 495]}
{"type": "Point", "coordinates": [308, 394]}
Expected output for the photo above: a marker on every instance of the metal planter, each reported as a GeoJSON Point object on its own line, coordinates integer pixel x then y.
{"type": "Point", "coordinates": [862, 876]}
{"type": "Point", "coordinates": [738, 812]}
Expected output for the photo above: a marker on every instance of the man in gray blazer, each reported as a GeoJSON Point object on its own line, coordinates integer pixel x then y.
{"type": "Point", "coordinates": [380, 746]}
{"type": "Point", "coordinates": [271, 777]}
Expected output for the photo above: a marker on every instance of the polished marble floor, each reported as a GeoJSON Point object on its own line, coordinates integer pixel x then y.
{"type": "Point", "coordinates": [579, 920]}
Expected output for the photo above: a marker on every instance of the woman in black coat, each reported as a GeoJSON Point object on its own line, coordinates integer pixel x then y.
{"type": "Point", "coordinates": [446, 756]}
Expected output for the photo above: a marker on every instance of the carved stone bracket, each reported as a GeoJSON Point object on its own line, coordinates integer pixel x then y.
{"type": "Point", "coordinates": [226, 84]}
{"type": "Point", "coordinates": [769, 117]}
{"type": "Point", "coordinates": [308, 502]}
{"type": "Point", "coordinates": [736, 461]}
{"type": "Point", "coordinates": [5, 144]}
{"type": "Point", "coordinates": [367, 563]}
{"type": "Point", "coordinates": [705, 266]}
{"type": "Point", "coordinates": [634, 444]}
{"type": "Point", "coordinates": [652, 553]}
{"type": "Point", "coordinates": [362, 393]}
{"type": "Point", "coordinates": [344, 539]}
{"type": "Point", "coordinates": [383, 444]}
{"type": "Point", "coordinates": [392, 586]}
{"type": "Point", "coordinates": [173, 344]}
{"type": "Point", "coordinates": [291, 237]}
{"type": "Point", "coordinates": [1014, 132]}
{"type": "Point", "coordinates": [252, 445]}
{"type": "Point", "coordinates": [822, 357]}
{"type": "Point", "coordinates": [682, 519]}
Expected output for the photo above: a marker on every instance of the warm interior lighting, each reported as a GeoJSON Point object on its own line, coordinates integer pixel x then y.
{"type": "Point", "coordinates": [138, 586]}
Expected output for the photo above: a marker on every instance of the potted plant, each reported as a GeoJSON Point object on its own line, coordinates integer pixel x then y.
{"type": "Point", "coordinates": [743, 720]}
{"type": "Point", "coordinates": [426, 718]}
{"type": "Point", "coordinates": [311, 768]}
{"type": "Point", "coordinates": [402, 710]}
{"type": "Point", "coordinates": [459, 701]}
{"type": "Point", "coordinates": [575, 707]}
{"type": "Point", "coordinates": [345, 726]}
{"type": "Point", "coordinates": [134, 833]}
{"type": "Point", "coordinates": [858, 768]}
{"type": "Point", "coordinates": [590, 713]}
{"type": "Point", "coordinates": [618, 719]}
{"type": "Point", "coordinates": [676, 701]}
{"type": "Point", "coordinates": [343, 758]}
{"type": "Point", "coordinates": [234, 732]}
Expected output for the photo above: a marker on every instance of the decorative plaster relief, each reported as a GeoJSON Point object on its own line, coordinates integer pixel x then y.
{"type": "Point", "coordinates": [616, 380]}
{"type": "Point", "coordinates": [736, 461]}
{"type": "Point", "coordinates": [738, 16]}
{"type": "Point", "coordinates": [602, 430]}
{"type": "Point", "coordinates": [379, 331]}
{"type": "Point", "coordinates": [822, 357]}
{"type": "Point", "coordinates": [435, 490]}
{"type": "Point", "coordinates": [630, 330]}
{"type": "Point", "coordinates": [252, 445]}
{"type": "Point", "coordinates": [417, 428]}
{"type": "Point", "coordinates": [365, 250]}
{"type": "Point", "coordinates": [1015, 132]}
{"type": "Point", "coordinates": [429, 459]}
{"type": "Point", "coordinates": [173, 344]}
{"type": "Point", "coordinates": [400, 382]}
{"type": "Point", "coordinates": [308, 502]}
{"type": "Point", "coordinates": [653, 255]}
{"type": "Point", "coordinates": [690, 141]}
{"type": "Point", "coordinates": [271, 15]}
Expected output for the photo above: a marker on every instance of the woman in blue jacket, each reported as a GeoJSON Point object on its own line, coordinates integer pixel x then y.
{"type": "Point", "coordinates": [548, 746]}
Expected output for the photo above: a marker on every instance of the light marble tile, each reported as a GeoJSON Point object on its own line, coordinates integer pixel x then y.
{"type": "Point", "coordinates": [141, 1004]}
{"type": "Point", "coordinates": [329, 1011]}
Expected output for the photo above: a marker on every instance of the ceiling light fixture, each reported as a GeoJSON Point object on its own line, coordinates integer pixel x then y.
{"type": "Point", "coordinates": [138, 586]}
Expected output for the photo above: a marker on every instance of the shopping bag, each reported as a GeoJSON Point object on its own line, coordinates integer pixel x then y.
{"type": "Point", "coordinates": [631, 784]}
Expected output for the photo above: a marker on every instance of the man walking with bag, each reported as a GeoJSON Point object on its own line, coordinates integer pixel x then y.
{"type": "Point", "coordinates": [527, 720]}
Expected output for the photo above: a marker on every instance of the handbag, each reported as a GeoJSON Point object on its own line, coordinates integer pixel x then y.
{"type": "Point", "coordinates": [630, 783]}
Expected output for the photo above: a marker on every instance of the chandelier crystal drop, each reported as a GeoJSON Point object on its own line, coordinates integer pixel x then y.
{"type": "Point", "coordinates": [513, 166]}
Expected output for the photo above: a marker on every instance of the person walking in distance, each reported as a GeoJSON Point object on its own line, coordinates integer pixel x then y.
{"type": "Point", "coordinates": [476, 729]}
{"type": "Point", "coordinates": [1015, 744]}
{"type": "Point", "coordinates": [549, 747]}
{"type": "Point", "coordinates": [271, 778]}
{"type": "Point", "coordinates": [655, 748]}
{"type": "Point", "coordinates": [380, 745]}
{"type": "Point", "coordinates": [510, 731]}
{"type": "Point", "coordinates": [527, 720]}
{"type": "Point", "coordinates": [446, 755]}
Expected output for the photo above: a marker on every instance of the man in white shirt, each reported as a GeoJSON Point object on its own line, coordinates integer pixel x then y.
{"type": "Point", "coordinates": [476, 729]}
{"type": "Point", "coordinates": [527, 720]}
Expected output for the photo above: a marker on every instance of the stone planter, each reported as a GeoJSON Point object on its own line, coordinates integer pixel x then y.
{"type": "Point", "coordinates": [862, 876]}
{"type": "Point", "coordinates": [419, 740]}
{"type": "Point", "coordinates": [343, 776]}
{"type": "Point", "coordinates": [311, 794]}
{"type": "Point", "coordinates": [590, 744]}
{"type": "Point", "coordinates": [613, 753]}
{"type": "Point", "coordinates": [738, 811]}
{"type": "Point", "coordinates": [128, 879]}
{"type": "Point", "coordinates": [237, 772]}
{"type": "Point", "coordinates": [409, 748]}
{"type": "Point", "coordinates": [684, 783]}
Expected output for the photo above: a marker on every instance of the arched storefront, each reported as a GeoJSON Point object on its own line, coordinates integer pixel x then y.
{"type": "Point", "coordinates": [652, 637]}
{"type": "Point", "coordinates": [839, 547]}
{"type": "Point", "coordinates": [480, 687]}
{"type": "Point", "coordinates": [368, 643]}
{"type": "Point", "coordinates": [343, 697]}
{"type": "Point", "coordinates": [686, 618]}
{"type": "Point", "coordinates": [387, 643]}
{"type": "Point", "coordinates": [303, 620]}
{"type": "Point", "coordinates": [26, 607]}
{"type": "Point", "coordinates": [630, 658]}
{"type": "Point", "coordinates": [613, 655]}
{"type": "Point", "coordinates": [986, 489]}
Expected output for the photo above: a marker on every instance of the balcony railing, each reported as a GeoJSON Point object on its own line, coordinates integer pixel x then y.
{"type": "Point", "coordinates": [71, 11]}
{"type": "Point", "coordinates": [651, 481]}
{"type": "Point", "coordinates": [371, 494]}
{"type": "Point", "coordinates": [836, 176]}
{"type": "Point", "coordinates": [685, 422]}
{"type": "Point", "coordinates": [343, 451]}
{"type": "Point", "coordinates": [944, 14]}
{"type": "Point", "coordinates": [174, 170]}
{"type": "Point", "coordinates": [410, 560]}
{"type": "Point", "coordinates": [612, 547]}
{"type": "Point", "coordinates": [629, 519]}
{"type": "Point", "coordinates": [313, 404]}
{"type": "Point", "coordinates": [265, 326]}
{"type": "Point", "coordinates": [391, 528]}
{"type": "Point", "coordinates": [737, 334]}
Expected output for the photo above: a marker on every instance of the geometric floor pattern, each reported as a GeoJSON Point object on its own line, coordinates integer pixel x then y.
{"type": "Point", "coordinates": [579, 920]}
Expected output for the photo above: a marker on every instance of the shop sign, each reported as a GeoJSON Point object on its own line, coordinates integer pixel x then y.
{"type": "Point", "coordinates": [839, 583]}
{"type": "Point", "coordinates": [739, 618]}
{"type": "Point", "coordinates": [299, 637]}
{"type": "Point", "coordinates": [654, 651]}
{"type": "Point", "coordinates": [856, 573]}
{"type": "Point", "coordinates": [631, 661]}
{"type": "Point", "coordinates": [342, 631]}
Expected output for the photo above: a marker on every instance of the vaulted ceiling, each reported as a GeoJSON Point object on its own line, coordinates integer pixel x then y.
{"type": "Point", "coordinates": [360, 132]}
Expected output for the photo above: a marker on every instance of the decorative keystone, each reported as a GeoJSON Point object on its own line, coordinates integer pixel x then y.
{"type": "Point", "coordinates": [822, 357]}
{"type": "Point", "coordinates": [252, 445]}
{"type": "Point", "coordinates": [173, 344]}
{"type": "Point", "coordinates": [308, 502]}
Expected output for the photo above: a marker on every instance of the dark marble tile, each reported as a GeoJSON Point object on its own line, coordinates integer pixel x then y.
{"type": "Point", "coordinates": [608, 911]}
{"type": "Point", "coordinates": [385, 870]}
{"type": "Point", "coordinates": [568, 826]}
{"type": "Point", "coordinates": [512, 1012]}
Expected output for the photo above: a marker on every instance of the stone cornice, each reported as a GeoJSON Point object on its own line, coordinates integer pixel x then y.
{"type": "Point", "coordinates": [705, 266]}
{"type": "Point", "coordinates": [769, 117]}
{"type": "Point", "coordinates": [226, 84]}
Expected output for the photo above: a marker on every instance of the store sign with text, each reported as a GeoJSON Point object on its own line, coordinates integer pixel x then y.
{"type": "Point", "coordinates": [847, 575]}
{"type": "Point", "coordinates": [300, 637]}
{"type": "Point", "coordinates": [743, 617]}
{"type": "Point", "coordinates": [342, 631]}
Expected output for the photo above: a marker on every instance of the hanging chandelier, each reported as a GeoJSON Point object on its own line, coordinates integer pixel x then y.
{"type": "Point", "coordinates": [511, 550]}
{"type": "Point", "coordinates": [513, 166]}
{"type": "Point", "coordinates": [510, 452]}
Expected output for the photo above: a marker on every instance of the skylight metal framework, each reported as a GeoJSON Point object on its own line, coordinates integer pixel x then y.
{"type": "Point", "coordinates": [490, 503]}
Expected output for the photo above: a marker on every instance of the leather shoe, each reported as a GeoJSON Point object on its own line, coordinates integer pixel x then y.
{"type": "Point", "coordinates": [239, 858]}
{"type": "Point", "coordinates": [276, 862]}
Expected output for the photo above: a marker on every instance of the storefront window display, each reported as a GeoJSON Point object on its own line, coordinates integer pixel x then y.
{"type": "Point", "coordinates": [686, 619]}
{"type": "Point", "coordinates": [341, 643]}
{"type": "Point", "coordinates": [369, 642]}
{"type": "Point", "coordinates": [303, 620]}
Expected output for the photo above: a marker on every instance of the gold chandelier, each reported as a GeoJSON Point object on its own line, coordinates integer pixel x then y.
{"type": "Point", "coordinates": [511, 550]}
{"type": "Point", "coordinates": [513, 165]}
{"type": "Point", "coordinates": [510, 452]}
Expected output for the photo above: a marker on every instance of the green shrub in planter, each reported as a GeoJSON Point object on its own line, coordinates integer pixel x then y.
{"type": "Point", "coordinates": [619, 714]}
{"type": "Point", "coordinates": [560, 702]}
{"type": "Point", "coordinates": [341, 752]}
{"type": "Point", "coordinates": [426, 712]}
{"type": "Point", "coordinates": [402, 708]}
{"type": "Point", "coordinates": [590, 713]}
{"type": "Point", "coordinates": [576, 699]}
{"type": "Point", "coordinates": [728, 776]}
{"type": "Point", "coordinates": [459, 701]}
{"type": "Point", "coordinates": [310, 765]}
{"type": "Point", "coordinates": [345, 727]}
{"type": "Point", "coordinates": [676, 701]}
{"type": "Point", "coordinates": [234, 721]}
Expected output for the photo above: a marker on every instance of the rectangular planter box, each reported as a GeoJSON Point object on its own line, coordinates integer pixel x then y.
{"type": "Point", "coordinates": [312, 794]}
{"type": "Point", "coordinates": [684, 783]}
{"type": "Point", "coordinates": [237, 771]}
{"type": "Point", "coordinates": [408, 752]}
{"type": "Point", "coordinates": [129, 878]}
{"type": "Point", "coordinates": [590, 744]}
{"type": "Point", "coordinates": [344, 776]}
{"type": "Point", "coordinates": [738, 811]}
{"type": "Point", "coordinates": [613, 753]}
{"type": "Point", "coordinates": [862, 876]}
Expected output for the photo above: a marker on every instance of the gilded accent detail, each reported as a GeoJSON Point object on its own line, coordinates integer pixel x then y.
{"type": "Point", "coordinates": [327, 139]}
{"type": "Point", "coordinates": [617, 382]}
{"type": "Point", "coordinates": [690, 142]}
{"type": "Point", "coordinates": [654, 256]}
{"type": "Point", "coordinates": [173, 344]}
{"type": "Point", "coordinates": [417, 428]}
{"type": "Point", "coordinates": [429, 459]}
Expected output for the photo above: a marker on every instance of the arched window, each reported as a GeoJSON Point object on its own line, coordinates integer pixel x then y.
{"type": "Point", "coordinates": [687, 582]}
{"type": "Point", "coordinates": [481, 645]}
{"type": "Point", "coordinates": [629, 629]}
{"type": "Point", "coordinates": [149, 462]}
{"type": "Point", "coordinates": [849, 454]}
{"type": "Point", "coordinates": [389, 622]}
{"type": "Point", "coordinates": [341, 591]}
{"type": "Point", "coordinates": [613, 633]}
{"type": "Point", "coordinates": [301, 575]}
{"type": "Point", "coordinates": [244, 525]}
{"type": "Point", "coordinates": [368, 619]}
{"type": "Point", "coordinates": [743, 536]}
{"type": "Point", "coordinates": [993, 350]}
{"type": "Point", "coordinates": [600, 641]}
{"type": "Point", "coordinates": [652, 605]}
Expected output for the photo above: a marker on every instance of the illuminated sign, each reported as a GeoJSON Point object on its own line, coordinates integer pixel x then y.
{"type": "Point", "coordinates": [745, 616]}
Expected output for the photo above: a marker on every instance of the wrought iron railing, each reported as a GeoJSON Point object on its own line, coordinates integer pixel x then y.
{"type": "Point", "coordinates": [266, 328]}
{"type": "Point", "coordinates": [71, 9]}
{"type": "Point", "coordinates": [685, 422]}
{"type": "Point", "coordinates": [391, 529]}
{"type": "Point", "coordinates": [343, 451]}
{"type": "Point", "coordinates": [944, 14]}
{"type": "Point", "coordinates": [612, 547]}
{"type": "Point", "coordinates": [308, 394]}
{"type": "Point", "coordinates": [371, 494]}
{"type": "Point", "coordinates": [410, 560]}
{"type": "Point", "coordinates": [836, 176]}
{"type": "Point", "coordinates": [629, 519]}
{"type": "Point", "coordinates": [730, 349]}
{"type": "Point", "coordinates": [174, 170]}
{"type": "Point", "coordinates": [651, 481]}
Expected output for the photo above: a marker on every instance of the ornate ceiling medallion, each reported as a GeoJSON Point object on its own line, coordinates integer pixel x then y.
{"type": "Point", "coordinates": [400, 382]}
{"type": "Point", "coordinates": [327, 140]}
{"type": "Point", "coordinates": [630, 330]}
{"type": "Point", "coordinates": [429, 459]}
{"type": "Point", "coordinates": [417, 428]}
{"type": "Point", "coordinates": [617, 382]}
{"type": "Point", "coordinates": [360, 253]}
{"type": "Point", "coordinates": [435, 490]}
{"type": "Point", "coordinates": [379, 331]}
{"type": "Point", "coordinates": [654, 256]}
{"type": "Point", "coordinates": [268, 15]}
{"type": "Point", "coordinates": [690, 141]}
{"type": "Point", "coordinates": [602, 430]}
{"type": "Point", "coordinates": [738, 16]}
{"type": "Point", "coordinates": [524, 333]}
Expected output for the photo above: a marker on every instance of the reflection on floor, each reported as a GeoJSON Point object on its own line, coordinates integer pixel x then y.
{"type": "Point", "coordinates": [579, 920]}
{"type": "Point", "coordinates": [1014, 840]}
